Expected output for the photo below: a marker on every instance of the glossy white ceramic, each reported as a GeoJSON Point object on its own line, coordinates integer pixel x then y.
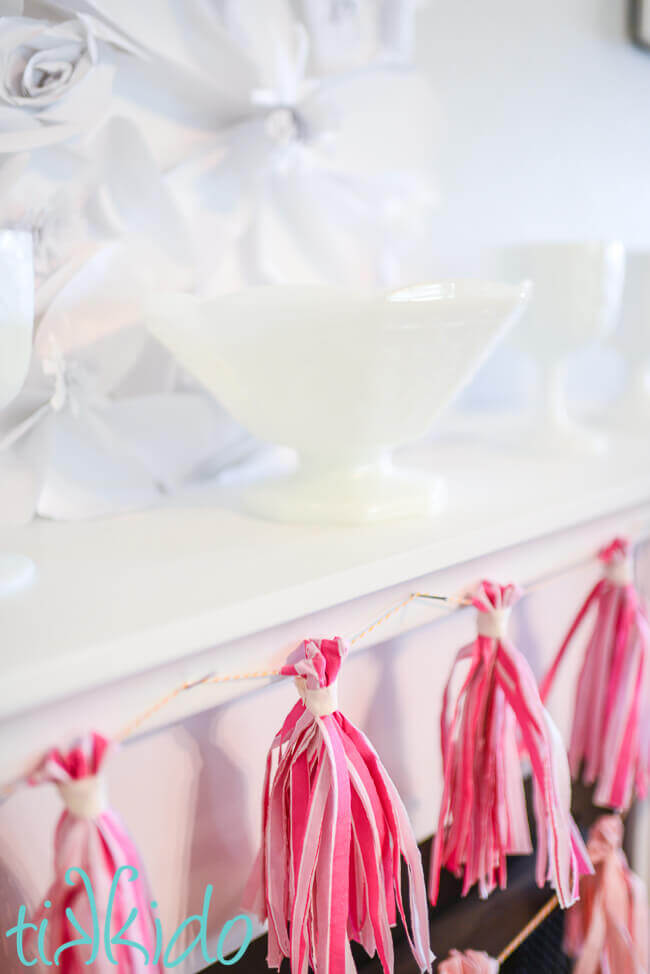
{"type": "Point", "coordinates": [16, 327]}
{"type": "Point", "coordinates": [576, 298]}
{"type": "Point", "coordinates": [341, 376]}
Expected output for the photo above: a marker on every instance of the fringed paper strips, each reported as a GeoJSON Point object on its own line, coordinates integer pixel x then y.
{"type": "Point", "coordinates": [611, 721]}
{"type": "Point", "coordinates": [607, 930]}
{"type": "Point", "coordinates": [335, 833]}
{"type": "Point", "coordinates": [483, 812]}
{"type": "Point", "coordinates": [470, 962]}
{"type": "Point", "coordinates": [90, 836]}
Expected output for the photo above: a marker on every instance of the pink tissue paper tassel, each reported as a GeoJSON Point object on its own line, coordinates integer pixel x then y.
{"type": "Point", "coordinates": [470, 962]}
{"type": "Point", "coordinates": [334, 833]}
{"type": "Point", "coordinates": [607, 930]}
{"type": "Point", "coordinates": [483, 811]}
{"type": "Point", "coordinates": [610, 734]}
{"type": "Point", "coordinates": [90, 836]}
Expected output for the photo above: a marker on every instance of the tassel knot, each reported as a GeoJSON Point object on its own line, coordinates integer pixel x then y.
{"type": "Point", "coordinates": [617, 550]}
{"type": "Point", "coordinates": [320, 702]}
{"type": "Point", "coordinates": [494, 603]}
{"type": "Point", "coordinates": [317, 662]}
{"type": "Point", "coordinates": [490, 597]}
{"type": "Point", "coordinates": [84, 797]}
{"type": "Point", "coordinates": [617, 559]}
{"type": "Point", "coordinates": [605, 839]}
{"type": "Point", "coordinates": [493, 624]}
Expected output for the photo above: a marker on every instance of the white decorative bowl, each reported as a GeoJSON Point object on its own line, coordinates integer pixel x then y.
{"type": "Point", "coordinates": [341, 376]}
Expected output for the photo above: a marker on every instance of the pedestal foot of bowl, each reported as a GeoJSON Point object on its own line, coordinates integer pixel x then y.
{"type": "Point", "coordinates": [376, 492]}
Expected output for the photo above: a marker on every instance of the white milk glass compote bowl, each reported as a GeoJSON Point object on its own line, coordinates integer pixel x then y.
{"type": "Point", "coordinates": [575, 300]}
{"type": "Point", "coordinates": [16, 327]}
{"type": "Point", "coordinates": [343, 377]}
{"type": "Point", "coordinates": [633, 340]}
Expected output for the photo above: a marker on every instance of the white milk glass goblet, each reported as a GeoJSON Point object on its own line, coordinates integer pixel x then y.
{"type": "Point", "coordinates": [576, 298]}
{"type": "Point", "coordinates": [16, 327]}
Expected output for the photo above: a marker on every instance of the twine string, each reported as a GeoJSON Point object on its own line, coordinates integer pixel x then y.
{"type": "Point", "coordinates": [214, 678]}
{"type": "Point", "coordinates": [526, 931]}
{"type": "Point", "coordinates": [209, 678]}
{"type": "Point", "coordinates": [452, 601]}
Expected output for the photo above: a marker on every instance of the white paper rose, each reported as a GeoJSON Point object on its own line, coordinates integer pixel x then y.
{"type": "Point", "coordinates": [55, 81]}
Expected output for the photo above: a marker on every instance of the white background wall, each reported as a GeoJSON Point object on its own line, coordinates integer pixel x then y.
{"type": "Point", "coordinates": [546, 131]}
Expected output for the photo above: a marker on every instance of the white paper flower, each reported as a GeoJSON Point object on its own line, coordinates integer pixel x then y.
{"type": "Point", "coordinates": [76, 202]}
{"type": "Point", "coordinates": [55, 81]}
{"type": "Point", "coordinates": [290, 175]}
{"type": "Point", "coordinates": [321, 179]}
{"type": "Point", "coordinates": [88, 433]}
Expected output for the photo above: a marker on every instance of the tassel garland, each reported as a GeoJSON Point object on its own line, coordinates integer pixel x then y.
{"type": "Point", "coordinates": [610, 736]}
{"type": "Point", "coordinates": [483, 812]}
{"type": "Point", "coordinates": [90, 836]}
{"type": "Point", "coordinates": [607, 930]}
{"type": "Point", "coordinates": [334, 834]}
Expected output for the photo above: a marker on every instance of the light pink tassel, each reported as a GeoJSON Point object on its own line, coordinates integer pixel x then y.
{"type": "Point", "coordinates": [334, 834]}
{"type": "Point", "coordinates": [470, 962]}
{"type": "Point", "coordinates": [610, 737]}
{"type": "Point", "coordinates": [90, 836]}
{"type": "Point", "coordinates": [483, 812]}
{"type": "Point", "coordinates": [607, 930]}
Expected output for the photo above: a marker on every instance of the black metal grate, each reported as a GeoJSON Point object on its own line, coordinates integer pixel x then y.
{"type": "Point", "coordinates": [542, 952]}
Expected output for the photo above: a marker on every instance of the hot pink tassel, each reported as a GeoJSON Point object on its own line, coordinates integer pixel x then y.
{"type": "Point", "coordinates": [607, 930]}
{"type": "Point", "coordinates": [483, 812]}
{"type": "Point", "coordinates": [334, 833]}
{"type": "Point", "coordinates": [610, 737]}
{"type": "Point", "coordinates": [90, 836]}
{"type": "Point", "coordinates": [471, 962]}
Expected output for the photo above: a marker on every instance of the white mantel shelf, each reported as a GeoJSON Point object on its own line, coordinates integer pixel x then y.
{"type": "Point", "coordinates": [120, 596]}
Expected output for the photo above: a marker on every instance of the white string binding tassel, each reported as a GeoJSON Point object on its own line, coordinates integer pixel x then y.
{"type": "Point", "coordinates": [320, 702]}
{"type": "Point", "coordinates": [85, 797]}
